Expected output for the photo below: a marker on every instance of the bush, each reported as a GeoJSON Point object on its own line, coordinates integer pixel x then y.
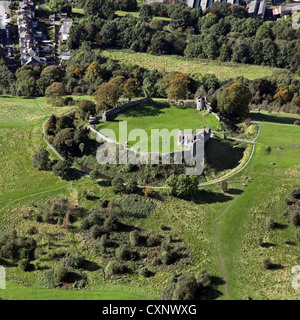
{"type": "Point", "coordinates": [24, 265]}
{"type": "Point", "coordinates": [267, 263]}
{"type": "Point", "coordinates": [145, 272]}
{"type": "Point", "coordinates": [73, 260]}
{"type": "Point", "coordinates": [114, 267]}
{"type": "Point", "coordinates": [295, 218]}
{"type": "Point", "coordinates": [95, 231]}
{"type": "Point", "coordinates": [123, 253]}
{"type": "Point", "coordinates": [153, 240]}
{"type": "Point", "coordinates": [62, 169]}
{"type": "Point", "coordinates": [135, 238]}
{"type": "Point", "coordinates": [118, 185]}
{"type": "Point", "coordinates": [270, 224]}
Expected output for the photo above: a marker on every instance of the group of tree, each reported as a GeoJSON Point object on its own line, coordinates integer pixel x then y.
{"type": "Point", "coordinates": [223, 31]}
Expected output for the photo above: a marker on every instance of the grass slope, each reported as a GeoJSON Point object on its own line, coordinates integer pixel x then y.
{"type": "Point", "coordinates": [239, 216]}
{"type": "Point", "coordinates": [223, 70]}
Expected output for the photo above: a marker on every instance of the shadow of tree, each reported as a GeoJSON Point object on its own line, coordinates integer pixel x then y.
{"type": "Point", "coordinates": [235, 191]}
{"type": "Point", "coordinates": [207, 196]}
{"type": "Point", "coordinates": [90, 266]}
{"type": "Point", "coordinates": [272, 118]}
{"type": "Point", "coordinates": [141, 111]}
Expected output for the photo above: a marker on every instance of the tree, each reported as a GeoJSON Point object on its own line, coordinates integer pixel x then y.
{"type": "Point", "coordinates": [54, 93]}
{"type": "Point", "coordinates": [41, 160]}
{"type": "Point", "coordinates": [77, 35]}
{"type": "Point", "coordinates": [106, 96]}
{"type": "Point", "coordinates": [101, 8]}
{"type": "Point", "coordinates": [119, 81]}
{"type": "Point", "coordinates": [48, 76]}
{"type": "Point", "coordinates": [146, 12]}
{"type": "Point", "coordinates": [26, 87]}
{"type": "Point", "coordinates": [109, 33]}
{"type": "Point", "coordinates": [180, 19]}
{"type": "Point", "coordinates": [85, 108]}
{"type": "Point", "coordinates": [178, 88]}
{"type": "Point", "coordinates": [118, 185]}
{"type": "Point", "coordinates": [234, 100]}
{"type": "Point", "coordinates": [62, 169]}
{"type": "Point", "coordinates": [59, 6]}
{"type": "Point", "coordinates": [224, 186]}
{"type": "Point", "coordinates": [182, 186]}
{"type": "Point", "coordinates": [126, 5]}
{"type": "Point", "coordinates": [132, 88]}
{"type": "Point", "coordinates": [64, 142]}
{"type": "Point", "coordinates": [93, 72]}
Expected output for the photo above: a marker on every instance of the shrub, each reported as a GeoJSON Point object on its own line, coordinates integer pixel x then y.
{"type": "Point", "coordinates": [295, 218]}
{"type": "Point", "coordinates": [73, 260]}
{"type": "Point", "coordinates": [32, 230]}
{"type": "Point", "coordinates": [24, 265]}
{"type": "Point", "coordinates": [267, 264]}
{"type": "Point", "coordinates": [166, 257]}
{"type": "Point", "coordinates": [145, 272]}
{"type": "Point", "coordinates": [95, 231]}
{"type": "Point", "coordinates": [153, 240]}
{"type": "Point", "coordinates": [295, 194]}
{"type": "Point", "coordinates": [270, 223]}
{"type": "Point", "coordinates": [62, 169]}
{"type": "Point", "coordinates": [135, 238]}
{"type": "Point", "coordinates": [118, 185]}
{"type": "Point", "coordinates": [114, 267]}
{"type": "Point", "coordinates": [123, 253]}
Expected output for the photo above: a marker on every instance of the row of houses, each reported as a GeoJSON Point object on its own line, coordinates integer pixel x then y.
{"type": "Point", "coordinates": [259, 9]}
{"type": "Point", "coordinates": [28, 34]}
{"type": "Point", "coordinates": [196, 3]}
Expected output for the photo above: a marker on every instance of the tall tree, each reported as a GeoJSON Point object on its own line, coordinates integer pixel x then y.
{"type": "Point", "coordinates": [233, 101]}
{"type": "Point", "coordinates": [106, 96]}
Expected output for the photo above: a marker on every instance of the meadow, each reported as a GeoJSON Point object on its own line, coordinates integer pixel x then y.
{"type": "Point", "coordinates": [168, 63]}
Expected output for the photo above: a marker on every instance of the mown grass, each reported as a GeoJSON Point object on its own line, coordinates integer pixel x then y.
{"type": "Point", "coordinates": [18, 292]}
{"type": "Point", "coordinates": [222, 70]}
{"type": "Point", "coordinates": [151, 117]}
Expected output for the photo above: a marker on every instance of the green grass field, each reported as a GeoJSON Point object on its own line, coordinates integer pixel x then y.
{"type": "Point", "coordinates": [220, 230]}
{"type": "Point", "coordinates": [222, 70]}
{"type": "Point", "coordinates": [151, 117]}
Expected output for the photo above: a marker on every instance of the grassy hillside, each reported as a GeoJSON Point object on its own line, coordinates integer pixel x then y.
{"type": "Point", "coordinates": [168, 63]}
{"type": "Point", "coordinates": [221, 230]}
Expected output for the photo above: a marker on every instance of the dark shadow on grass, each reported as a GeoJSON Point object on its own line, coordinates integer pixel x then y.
{"type": "Point", "coordinates": [272, 118]}
{"type": "Point", "coordinates": [139, 111]}
{"type": "Point", "coordinates": [276, 266]}
{"type": "Point", "coordinates": [218, 281]}
{"type": "Point", "coordinates": [280, 226]}
{"type": "Point", "coordinates": [235, 191]}
{"type": "Point", "coordinates": [221, 155]}
{"type": "Point", "coordinates": [90, 266]}
{"type": "Point", "coordinates": [268, 245]}
{"type": "Point", "coordinates": [206, 196]}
